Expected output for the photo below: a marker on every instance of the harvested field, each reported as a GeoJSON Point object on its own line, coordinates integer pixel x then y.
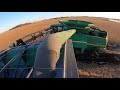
{"type": "Point", "coordinates": [104, 24]}
{"type": "Point", "coordinates": [93, 70]}
{"type": "Point", "coordinates": [107, 66]}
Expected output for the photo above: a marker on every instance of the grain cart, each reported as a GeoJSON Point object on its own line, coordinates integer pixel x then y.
{"type": "Point", "coordinates": [87, 38]}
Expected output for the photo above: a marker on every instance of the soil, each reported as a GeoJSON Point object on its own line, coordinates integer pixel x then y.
{"type": "Point", "coordinates": [106, 66]}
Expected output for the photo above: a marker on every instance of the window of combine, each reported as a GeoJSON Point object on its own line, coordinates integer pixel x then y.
{"type": "Point", "coordinates": [60, 28]}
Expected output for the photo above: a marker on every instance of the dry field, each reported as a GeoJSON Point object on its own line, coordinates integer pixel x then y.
{"type": "Point", "coordinates": [11, 36]}
{"type": "Point", "coordinates": [94, 70]}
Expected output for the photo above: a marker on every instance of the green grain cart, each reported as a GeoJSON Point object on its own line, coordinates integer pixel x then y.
{"type": "Point", "coordinates": [87, 37]}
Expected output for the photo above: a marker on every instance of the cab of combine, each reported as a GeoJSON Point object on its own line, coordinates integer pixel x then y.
{"type": "Point", "coordinates": [56, 27]}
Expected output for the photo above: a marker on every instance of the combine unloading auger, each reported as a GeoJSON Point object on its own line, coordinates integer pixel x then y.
{"type": "Point", "coordinates": [37, 60]}
{"type": "Point", "coordinates": [48, 53]}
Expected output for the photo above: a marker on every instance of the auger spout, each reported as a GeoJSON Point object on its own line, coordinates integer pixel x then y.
{"type": "Point", "coordinates": [48, 53]}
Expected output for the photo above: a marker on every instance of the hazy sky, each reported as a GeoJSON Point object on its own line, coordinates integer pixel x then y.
{"type": "Point", "coordinates": [11, 19]}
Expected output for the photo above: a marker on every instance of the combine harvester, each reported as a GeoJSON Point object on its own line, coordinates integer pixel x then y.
{"type": "Point", "coordinates": [50, 53]}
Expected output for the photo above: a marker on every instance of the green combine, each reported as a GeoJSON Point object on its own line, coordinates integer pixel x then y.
{"type": "Point", "coordinates": [87, 37]}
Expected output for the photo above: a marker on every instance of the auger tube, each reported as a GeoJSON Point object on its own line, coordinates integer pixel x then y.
{"type": "Point", "coordinates": [48, 53]}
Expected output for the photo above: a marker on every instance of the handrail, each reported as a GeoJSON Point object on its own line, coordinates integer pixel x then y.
{"type": "Point", "coordinates": [34, 36]}
{"type": "Point", "coordinates": [14, 58]}
{"type": "Point", "coordinates": [30, 72]}
{"type": "Point", "coordinates": [36, 32]}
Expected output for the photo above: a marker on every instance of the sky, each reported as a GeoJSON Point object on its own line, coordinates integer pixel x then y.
{"type": "Point", "coordinates": [11, 19]}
